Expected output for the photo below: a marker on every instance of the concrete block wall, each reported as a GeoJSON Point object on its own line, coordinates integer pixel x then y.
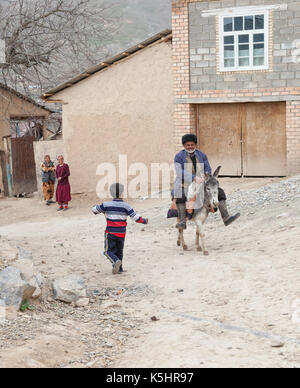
{"type": "Point", "coordinates": [284, 48]}
{"type": "Point", "coordinates": [197, 79]}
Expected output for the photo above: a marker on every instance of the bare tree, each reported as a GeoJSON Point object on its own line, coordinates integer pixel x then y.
{"type": "Point", "coordinates": [47, 41]}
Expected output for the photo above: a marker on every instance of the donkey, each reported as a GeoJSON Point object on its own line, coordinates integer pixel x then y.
{"type": "Point", "coordinates": [211, 202]}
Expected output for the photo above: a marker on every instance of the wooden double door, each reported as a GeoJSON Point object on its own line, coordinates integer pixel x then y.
{"type": "Point", "coordinates": [245, 139]}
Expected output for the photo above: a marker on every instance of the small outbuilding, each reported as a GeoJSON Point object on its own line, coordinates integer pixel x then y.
{"type": "Point", "coordinates": [22, 121]}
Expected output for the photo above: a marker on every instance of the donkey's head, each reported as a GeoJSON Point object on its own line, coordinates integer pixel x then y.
{"type": "Point", "coordinates": [212, 188]}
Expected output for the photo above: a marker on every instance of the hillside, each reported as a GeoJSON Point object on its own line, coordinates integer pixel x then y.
{"type": "Point", "coordinates": [128, 23]}
{"type": "Point", "coordinates": [139, 19]}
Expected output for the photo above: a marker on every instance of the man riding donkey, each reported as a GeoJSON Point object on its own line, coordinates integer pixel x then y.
{"type": "Point", "coordinates": [190, 165]}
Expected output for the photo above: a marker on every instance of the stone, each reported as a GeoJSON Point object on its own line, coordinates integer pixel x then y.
{"type": "Point", "coordinates": [110, 305]}
{"type": "Point", "coordinates": [283, 215]}
{"type": "Point", "coordinates": [24, 254]}
{"type": "Point", "coordinates": [8, 254]}
{"type": "Point", "coordinates": [83, 302]}
{"type": "Point", "coordinates": [27, 273]}
{"type": "Point", "coordinates": [277, 344]}
{"type": "Point", "coordinates": [13, 288]}
{"type": "Point", "coordinates": [37, 293]}
{"type": "Point", "coordinates": [69, 289]}
{"type": "Point", "coordinates": [34, 283]}
{"type": "Point", "coordinates": [40, 279]}
{"type": "Point", "coordinates": [26, 268]}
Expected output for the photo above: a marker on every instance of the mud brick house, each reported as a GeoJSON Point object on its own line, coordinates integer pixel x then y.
{"type": "Point", "coordinates": [19, 115]}
{"type": "Point", "coordinates": [122, 106]}
{"type": "Point", "coordinates": [237, 82]}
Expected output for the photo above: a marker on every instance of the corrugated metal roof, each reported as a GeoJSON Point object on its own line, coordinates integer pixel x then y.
{"type": "Point", "coordinates": [162, 36]}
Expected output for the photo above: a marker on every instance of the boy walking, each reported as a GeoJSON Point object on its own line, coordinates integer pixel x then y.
{"type": "Point", "coordinates": [116, 213]}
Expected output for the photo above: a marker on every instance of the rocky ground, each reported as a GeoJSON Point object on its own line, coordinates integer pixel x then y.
{"type": "Point", "coordinates": [239, 307]}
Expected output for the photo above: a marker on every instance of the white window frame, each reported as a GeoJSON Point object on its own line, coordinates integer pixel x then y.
{"type": "Point", "coordinates": [236, 34]}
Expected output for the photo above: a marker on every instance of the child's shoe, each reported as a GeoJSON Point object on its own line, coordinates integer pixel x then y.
{"type": "Point", "coordinates": [116, 267]}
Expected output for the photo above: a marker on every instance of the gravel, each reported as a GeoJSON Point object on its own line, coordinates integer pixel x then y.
{"type": "Point", "coordinates": [279, 192]}
{"type": "Point", "coordinates": [110, 325]}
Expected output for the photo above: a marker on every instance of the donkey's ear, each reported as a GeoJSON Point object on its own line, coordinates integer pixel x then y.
{"type": "Point", "coordinates": [206, 176]}
{"type": "Point", "coordinates": [217, 172]}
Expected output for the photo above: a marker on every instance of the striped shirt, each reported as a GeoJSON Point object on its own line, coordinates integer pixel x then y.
{"type": "Point", "coordinates": [116, 213]}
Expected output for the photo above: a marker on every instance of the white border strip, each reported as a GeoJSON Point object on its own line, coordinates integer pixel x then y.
{"type": "Point", "coordinates": [243, 10]}
{"type": "Point", "coordinates": [2, 311]}
{"type": "Point", "coordinates": [2, 51]}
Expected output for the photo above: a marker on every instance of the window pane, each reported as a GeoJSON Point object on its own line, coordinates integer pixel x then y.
{"type": "Point", "coordinates": [244, 50]}
{"type": "Point", "coordinates": [228, 39]}
{"type": "Point", "coordinates": [228, 24]}
{"type": "Point", "coordinates": [229, 62]}
{"type": "Point", "coordinates": [249, 23]}
{"type": "Point", "coordinates": [229, 52]}
{"type": "Point", "coordinates": [244, 39]}
{"type": "Point", "coordinates": [244, 62]}
{"type": "Point", "coordinates": [238, 23]}
{"type": "Point", "coordinates": [259, 50]}
{"type": "Point", "coordinates": [259, 61]}
{"type": "Point", "coordinates": [259, 37]}
{"type": "Point", "coordinates": [259, 22]}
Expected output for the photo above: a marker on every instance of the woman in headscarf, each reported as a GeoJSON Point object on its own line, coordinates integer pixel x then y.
{"type": "Point", "coordinates": [48, 179]}
{"type": "Point", "coordinates": [63, 190]}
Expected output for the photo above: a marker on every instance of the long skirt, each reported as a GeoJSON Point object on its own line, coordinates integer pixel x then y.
{"type": "Point", "coordinates": [63, 193]}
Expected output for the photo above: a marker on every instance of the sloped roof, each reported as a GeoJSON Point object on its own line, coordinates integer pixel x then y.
{"type": "Point", "coordinates": [165, 35]}
{"type": "Point", "coordinates": [23, 97]}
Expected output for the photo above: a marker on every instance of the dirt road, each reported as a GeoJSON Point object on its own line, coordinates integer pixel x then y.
{"type": "Point", "coordinates": [231, 309]}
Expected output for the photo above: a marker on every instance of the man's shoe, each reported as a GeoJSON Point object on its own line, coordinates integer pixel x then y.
{"type": "Point", "coordinates": [227, 219]}
{"type": "Point", "coordinates": [231, 219]}
{"type": "Point", "coordinates": [116, 267]}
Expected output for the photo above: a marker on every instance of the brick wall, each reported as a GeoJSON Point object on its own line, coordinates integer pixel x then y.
{"type": "Point", "coordinates": [184, 119]}
{"type": "Point", "coordinates": [293, 136]}
{"type": "Point", "coordinates": [196, 76]}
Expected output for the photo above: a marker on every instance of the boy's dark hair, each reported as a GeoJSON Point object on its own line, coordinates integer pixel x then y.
{"type": "Point", "coordinates": [116, 190]}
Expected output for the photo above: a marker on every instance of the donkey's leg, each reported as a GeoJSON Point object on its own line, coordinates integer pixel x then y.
{"type": "Point", "coordinates": [200, 220]}
{"type": "Point", "coordinates": [199, 249]}
{"type": "Point", "coordinates": [179, 239]}
{"type": "Point", "coordinates": [184, 246]}
{"type": "Point", "coordinates": [203, 243]}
